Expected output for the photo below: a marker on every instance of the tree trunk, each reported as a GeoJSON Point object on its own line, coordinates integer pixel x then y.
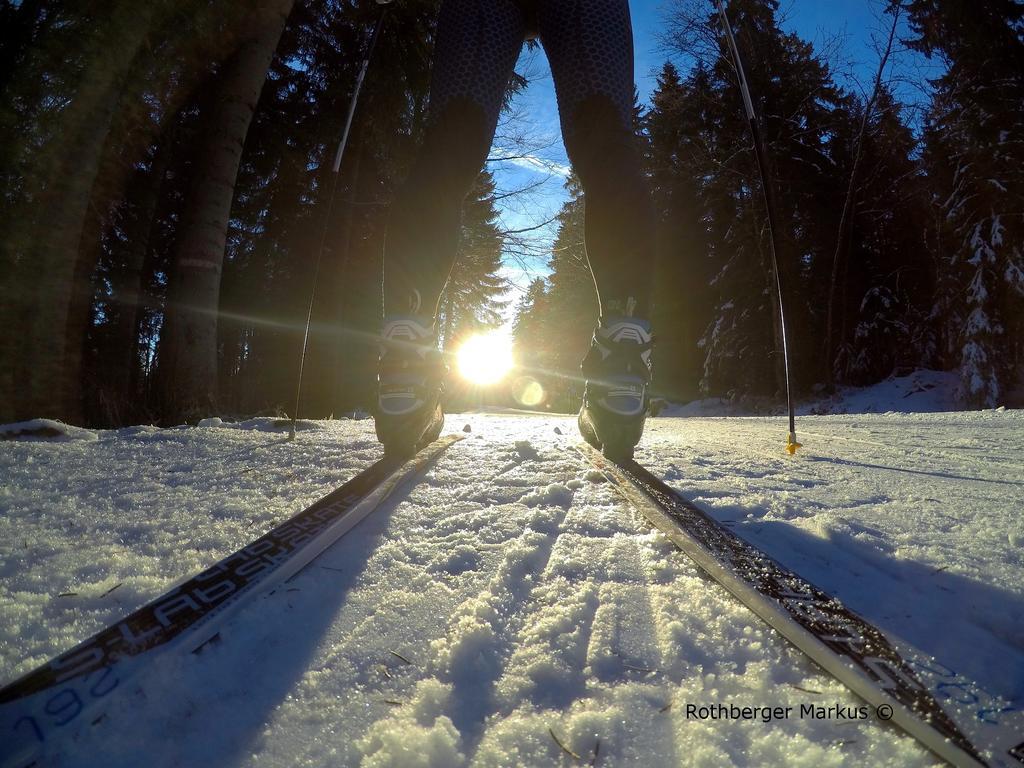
{"type": "Point", "coordinates": [50, 384]}
{"type": "Point", "coordinates": [188, 345]}
{"type": "Point", "coordinates": [343, 287]}
{"type": "Point", "coordinates": [127, 291]}
{"type": "Point", "coordinates": [845, 220]}
{"type": "Point", "coordinates": [42, 380]}
{"type": "Point", "coordinates": [83, 291]}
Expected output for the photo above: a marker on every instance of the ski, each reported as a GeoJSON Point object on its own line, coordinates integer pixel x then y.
{"type": "Point", "coordinates": [51, 702]}
{"type": "Point", "coordinates": [946, 712]}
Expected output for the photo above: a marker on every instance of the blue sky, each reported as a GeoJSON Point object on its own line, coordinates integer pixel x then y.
{"type": "Point", "coordinates": [843, 28]}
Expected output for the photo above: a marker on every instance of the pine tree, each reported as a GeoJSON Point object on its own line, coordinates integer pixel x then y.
{"type": "Point", "coordinates": [281, 211]}
{"type": "Point", "coordinates": [53, 131]}
{"type": "Point", "coordinates": [113, 360]}
{"type": "Point", "coordinates": [676, 159]}
{"type": "Point", "coordinates": [572, 309]}
{"type": "Point", "coordinates": [888, 279]}
{"type": "Point", "coordinates": [974, 154]}
{"type": "Point", "coordinates": [62, 59]}
{"type": "Point", "coordinates": [527, 324]}
{"type": "Point", "coordinates": [93, 85]}
{"type": "Point", "coordinates": [472, 297]}
{"type": "Point", "coordinates": [795, 100]}
{"type": "Point", "coordinates": [188, 354]}
{"type": "Point", "coordinates": [533, 347]}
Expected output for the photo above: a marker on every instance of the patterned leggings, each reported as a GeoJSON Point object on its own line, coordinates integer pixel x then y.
{"type": "Point", "coordinates": [589, 45]}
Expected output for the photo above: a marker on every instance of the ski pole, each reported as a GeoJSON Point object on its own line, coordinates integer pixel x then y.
{"type": "Point", "coordinates": [769, 202]}
{"type": "Point", "coordinates": [336, 172]}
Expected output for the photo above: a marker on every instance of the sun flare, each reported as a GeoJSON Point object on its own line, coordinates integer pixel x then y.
{"type": "Point", "coordinates": [485, 358]}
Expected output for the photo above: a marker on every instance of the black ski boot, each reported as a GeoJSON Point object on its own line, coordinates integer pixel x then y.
{"type": "Point", "coordinates": [410, 381]}
{"type": "Point", "coordinates": [618, 373]}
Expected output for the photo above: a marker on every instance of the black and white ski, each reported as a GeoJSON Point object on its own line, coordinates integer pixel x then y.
{"type": "Point", "coordinates": [946, 712]}
{"type": "Point", "coordinates": [53, 701]}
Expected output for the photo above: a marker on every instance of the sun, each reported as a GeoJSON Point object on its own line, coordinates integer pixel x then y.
{"type": "Point", "coordinates": [485, 358]}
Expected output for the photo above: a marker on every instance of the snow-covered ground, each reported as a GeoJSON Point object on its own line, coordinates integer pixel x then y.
{"type": "Point", "coordinates": [917, 392]}
{"type": "Point", "coordinates": [511, 597]}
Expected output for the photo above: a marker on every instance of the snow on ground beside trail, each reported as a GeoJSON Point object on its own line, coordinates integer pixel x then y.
{"type": "Point", "coordinates": [919, 392]}
{"type": "Point", "coordinates": [511, 597]}
{"type": "Point", "coordinates": [44, 429]}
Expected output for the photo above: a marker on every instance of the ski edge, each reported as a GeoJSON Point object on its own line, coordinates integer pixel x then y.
{"type": "Point", "coordinates": [767, 609]}
{"type": "Point", "coordinates": [30, 722]}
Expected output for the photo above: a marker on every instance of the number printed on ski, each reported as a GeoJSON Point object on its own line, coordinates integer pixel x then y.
{"type": "Point", "coordinates": [51, 702]}
{"type": "Point", "coordinates": [946, 712]}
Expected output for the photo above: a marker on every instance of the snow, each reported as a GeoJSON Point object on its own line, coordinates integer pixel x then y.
{"type": "Point", "coordinates": [918, 392]}
{"type": "Point", "coordinates": [922, 391]}
{"type": "Point", "coordinates": [1014, 275]}
{"type": "Point", "coordinates": [510, 597]}
{"type": "Point", "coordinates": [44, 429]}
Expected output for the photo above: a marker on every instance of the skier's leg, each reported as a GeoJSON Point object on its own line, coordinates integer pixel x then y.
{"type": "Point", "coordinates": [476, 48]}
{"type": "Point", "coordinates": [590, 46]}
{"type": "Point", "coordinates": [478, 42]}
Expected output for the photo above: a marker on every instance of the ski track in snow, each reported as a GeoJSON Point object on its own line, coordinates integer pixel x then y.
{"type": "Point", "coordinates": [511, 594]}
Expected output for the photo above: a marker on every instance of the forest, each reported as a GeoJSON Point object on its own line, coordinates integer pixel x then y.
{"type": "Point", "coordinates": [167, 204]}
